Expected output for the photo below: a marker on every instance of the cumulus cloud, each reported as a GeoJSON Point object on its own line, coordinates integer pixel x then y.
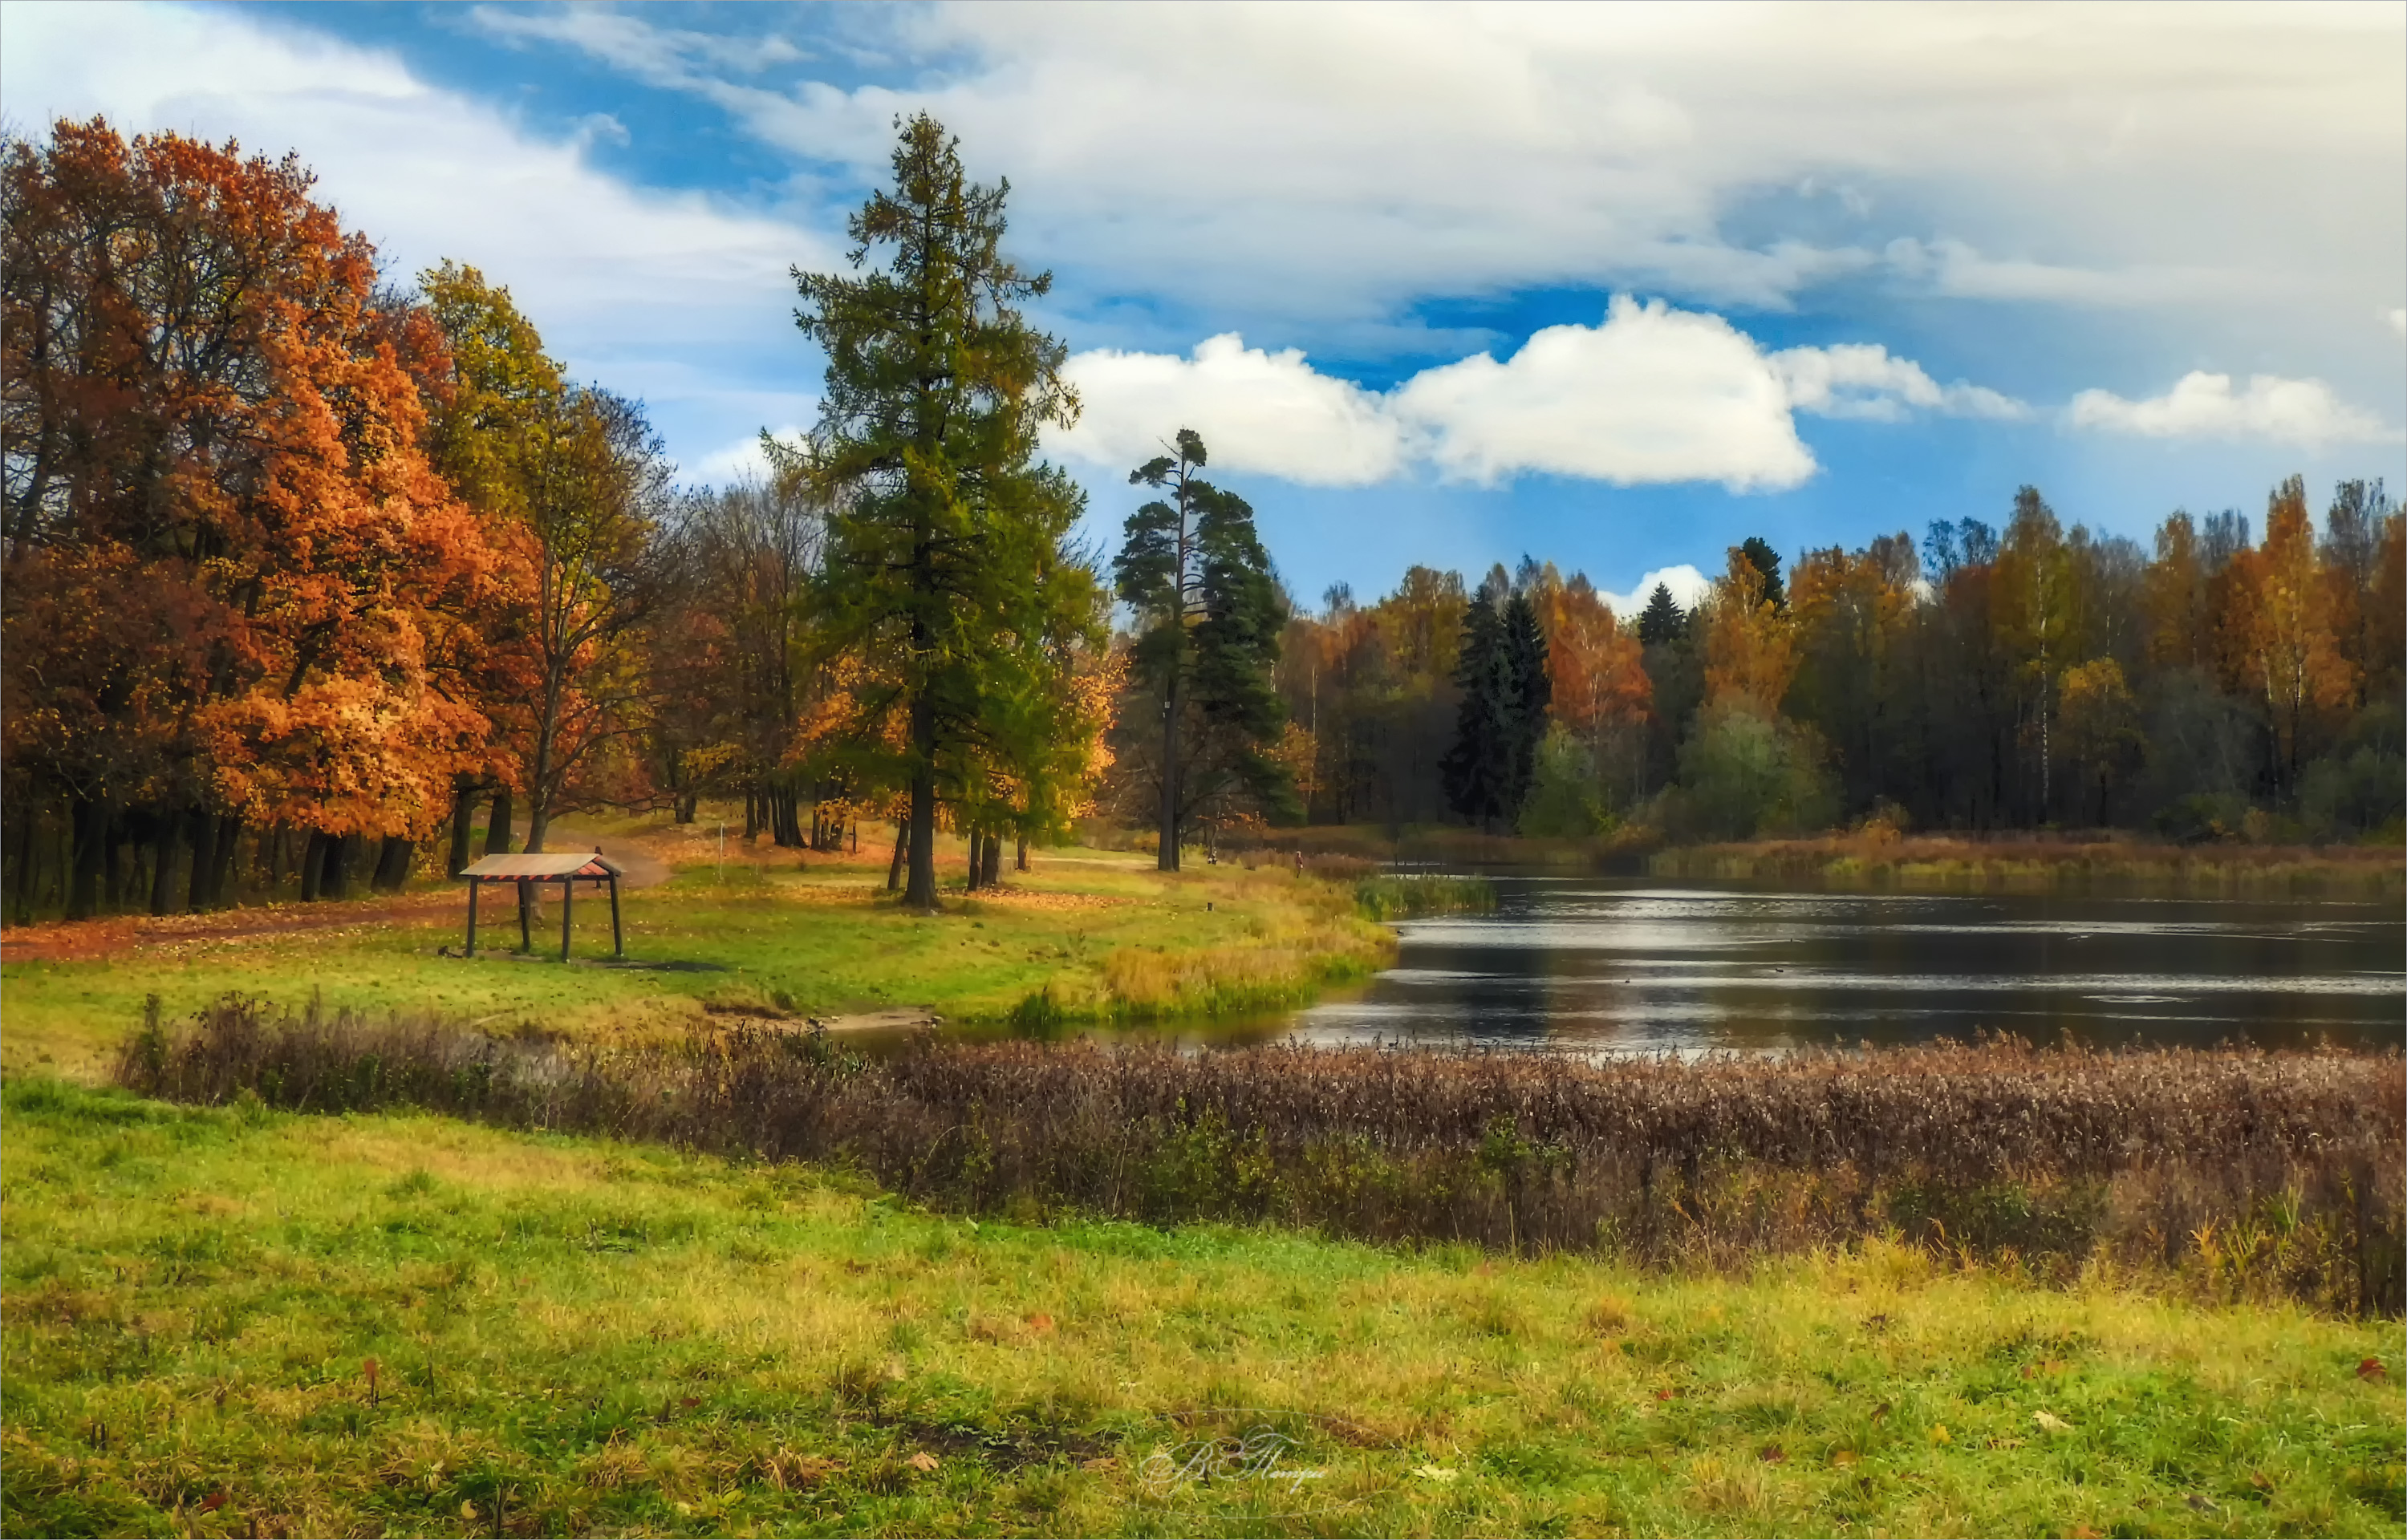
{"type": "Point", "coordinates": [1863, 380]}
{"type": "Point", "coordinates": [1686, 584]}
{"type": "Point", "coordinates": [1255, 410]}
{"type": "Point", "coordinates": [2203, 405]}
{"type": "Point", "coordinates": [1653, 395]}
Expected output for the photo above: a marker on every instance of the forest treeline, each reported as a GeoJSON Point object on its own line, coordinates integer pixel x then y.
{"type": "Point", "coordinates": [312, 578]}
{"type": "Point", "coordinates": [2218, 686]}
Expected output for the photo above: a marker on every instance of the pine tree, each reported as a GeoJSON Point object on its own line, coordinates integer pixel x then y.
{"type": "Point", "coordinates": [941, 527]}
{"type": "Point", "coordinates": [1764, 559]}
{"type": "Point", "coordinates": [1502, 718]}
{"type": "Point", "coordinates": [1531, 692]}
{"type": "Point", "coordinates": [1194, 570]}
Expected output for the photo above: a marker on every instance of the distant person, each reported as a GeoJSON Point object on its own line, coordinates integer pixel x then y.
{"type": "Point", "coordinates": [1299, 863]}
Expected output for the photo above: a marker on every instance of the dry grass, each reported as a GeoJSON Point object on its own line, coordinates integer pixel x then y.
{"type": "Point", "coordinates": [2244, 1172]}
{"type": "Point", "coordinates": [1878, 856]}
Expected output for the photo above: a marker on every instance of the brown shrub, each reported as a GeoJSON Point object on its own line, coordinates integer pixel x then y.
{"type": "Point", "coordinates": [2247, 1171]}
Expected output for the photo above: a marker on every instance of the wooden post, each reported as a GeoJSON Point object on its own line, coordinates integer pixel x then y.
{"type": "Point", "coordinates": [617, 938]}
{"type": "Point", "coordinates": [474, 885]}
{"type": "Point", "coordinates": [567, 892]}
{"type": "Point", "coordinates": [526, 936]}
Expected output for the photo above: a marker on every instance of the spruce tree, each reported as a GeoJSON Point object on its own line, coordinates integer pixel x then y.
{"type": "Point", "coordinates": [1524, 646]}
{"type": "Point", "coordinates": [1661, 620]}
{"type": "Point", "coordinates": [943, 534]}
{"type": "Point", "coordinates": [1764, 559]}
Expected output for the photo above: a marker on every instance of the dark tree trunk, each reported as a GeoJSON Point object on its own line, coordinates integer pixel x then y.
{"type": "Point", "coordinates": [163, 860]}
{"type": "Point", "coordinates": [465, 798]}
{"type": "Point", "coordinates": [751, 813]}
{"type": "Point", "coordinates": [1020, 862]}
{"type": "Point", "coordinates": [978, 849]}
{"type": "Point", "coordinates": [204, 825]}
{"type": "Point", "coordinates": [275, 840]}
{"type": "Point", "coordinates": [921, 893]}
{"type": "Point", "coordinates": [497, 827]}
{"type": "Point", "coordinates": [902, 850]}
{"type": "Point", "coordinates": [313, 866]}
{"type": "Point", "coordinates": [342, 859]}
{"type": "Point", "coordinates": [229, 839]}
{"type": "Point", "coordinates": [990, 874]}
{"type": "Point", "coordinates": [1167, 859]}
{"type": "Point", "coordinates": [393, 863]}
{"type": "Point", "coordinates": [27, 865]}
{"type": "Point", "coordinates": [112, 866]}
{"type": "Point", "coordinates": [91, 833]}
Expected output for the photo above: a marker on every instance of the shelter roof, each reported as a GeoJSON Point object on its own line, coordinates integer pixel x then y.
{"type": "Point", "coordinates": [566, 864]}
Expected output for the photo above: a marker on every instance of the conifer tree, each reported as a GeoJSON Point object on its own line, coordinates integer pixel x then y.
{"type": "Point", "coordinates": [942, 529]}
{"type": "Point", "coordinates": [1662, 618]}
{"type": "Point", "coordinates": [1502, 718]}
{"type": "Point", "coordinates": [1194, 570]}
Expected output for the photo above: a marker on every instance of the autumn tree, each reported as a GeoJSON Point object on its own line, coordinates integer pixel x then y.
{"type": "Point", "coordinates": [226, 546]}
{"type": "Point", "coordinates": [2290, 649]}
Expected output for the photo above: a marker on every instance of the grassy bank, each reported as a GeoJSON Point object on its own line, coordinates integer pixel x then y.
{"type": "Point", "coordinates": [574, 1336]}
{"type": "Point", "coordinates": [1944, 864]}
{"type": "Point", "coordinates": [2230, 1172]}
{"type": "Point", "coordinates": [1101, 936]}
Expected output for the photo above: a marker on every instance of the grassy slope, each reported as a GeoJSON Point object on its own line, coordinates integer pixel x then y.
{"type": "Point", "coordinates": [816, 933]}
{"type": "Point", "coordinates": [574, 1336]}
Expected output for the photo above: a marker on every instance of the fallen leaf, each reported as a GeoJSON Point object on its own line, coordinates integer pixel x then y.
{"type": "Point", "coordinates": [2052, 1423]}
{"type": "Point", "coordinates": [2258, 1480]}
{"type": "Point", "coordinates": [1101, 1462]}
{"type": "Point", "coordinates": [1435, 1473]}
{"type": "Point", "coordinates": [213, 1502]}
{"type": "Point", "coordinates": [1040, 1323]}
{"type": "Point", "coordinates": [2083, 1532]}
{"type": "Point", "coordinates": [1880, 1412]}
{"type": "Point", "coordinates": [2371, 1368]}
{"type": "Point", "coordinates": [1774, 1455]}
{"type": "Point", "coordinates": [1939, 1434]}
{"type": "Point", "coordinates": [1845, 1457]}
{"type": "Point", "coordinates": [922, 1461]}
{"type": "Point", "coordinates": [690, 1401]}
{"type": "Point", "coordinates": [468, 1511]}
{"type": "Point", "coordinates": [1665, 1395]}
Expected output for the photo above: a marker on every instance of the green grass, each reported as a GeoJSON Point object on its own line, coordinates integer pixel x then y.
{"type": "Point", "coordinates": [815, 936]}
{"type": "Point", "coordinates": [578, 1337]}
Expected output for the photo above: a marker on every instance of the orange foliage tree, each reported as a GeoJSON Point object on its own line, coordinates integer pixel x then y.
{"type": "Point", "coordinates": [225, 547]}
{"type": "Point", "coordinates": [2290, 654]}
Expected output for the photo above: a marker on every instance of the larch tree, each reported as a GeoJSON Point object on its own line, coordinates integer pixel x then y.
{"type": "Point", "coordinates": [936, 389]}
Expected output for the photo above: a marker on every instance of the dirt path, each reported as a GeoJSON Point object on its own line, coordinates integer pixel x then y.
{"type": "Point", "coordinates": [80, 940]}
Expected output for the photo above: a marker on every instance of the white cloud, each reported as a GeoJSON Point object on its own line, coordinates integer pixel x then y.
{"type": "Point", "coordinates": [1335, 163]}
{"type": "Point", "coordinates": [1653, 395]}
{"type": "Point", "coordinates": [1686, 584]}
{"type": "Point", "coordinates": [1863, 381]}
{"type": "Point", "coordinates": [2398, 319]}
{"type": "Point", "coordinates": [1256, 411]}
{"type": "Point", "coordinates": [624, 283]}
{"type": "Point", "coordinates": [2203, 405]}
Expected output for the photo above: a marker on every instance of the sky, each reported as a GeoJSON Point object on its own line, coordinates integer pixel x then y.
{"type": "Point", "coordinates": [1616, 287]}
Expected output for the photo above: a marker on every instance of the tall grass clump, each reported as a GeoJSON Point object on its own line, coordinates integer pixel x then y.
{"type": "Point", "coordinates": [1408, 896]}
{"type": "Point", "coordinates": [2242, 1172]}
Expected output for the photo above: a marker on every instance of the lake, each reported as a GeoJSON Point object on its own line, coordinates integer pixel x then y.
{"type": "Point", "coordinates": [1593, 964]}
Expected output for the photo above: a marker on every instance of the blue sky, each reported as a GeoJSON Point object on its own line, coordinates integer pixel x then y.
{"type": "Point", "coordinates": [1617, 286]}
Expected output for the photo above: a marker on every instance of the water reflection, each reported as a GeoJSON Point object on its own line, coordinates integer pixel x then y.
{"type": "Point", "coordinates": [1584, 964]}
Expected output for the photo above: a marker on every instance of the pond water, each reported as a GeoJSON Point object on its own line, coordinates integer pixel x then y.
{"type": "Point", "coordinates": [1588, 963]}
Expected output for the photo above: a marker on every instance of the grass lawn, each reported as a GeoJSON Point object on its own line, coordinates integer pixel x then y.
{"type": "Point", "coordinates": [809, 934]}
{"type": "Point", "coordinates": [575, 1336]}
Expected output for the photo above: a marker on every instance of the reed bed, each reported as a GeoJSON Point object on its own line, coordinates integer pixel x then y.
{"type": "Point", "coordinates": [1882, 858]}
{"type": "Point", "coordinates": [2239, 1172]}
{"type": "Point", "coordinates": [1409, 895]}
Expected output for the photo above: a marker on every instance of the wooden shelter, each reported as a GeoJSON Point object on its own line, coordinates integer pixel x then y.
{"type": "Point", "coordinates": [568, 869]}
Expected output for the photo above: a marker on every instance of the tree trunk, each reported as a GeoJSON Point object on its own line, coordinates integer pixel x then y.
{"type": "Point", "coordinates": [1020, 862]}
{"type": "Point", "coordinates": [204, 859]}
{"type": "Point", "coordinates": [497, 824]}
{"type": "Point", "coordinates": [162, 867]}
{"type": "Point", "coordinates": [1167, 859]}
{"type": "Point", "coordinates": [990, 874]}
{"type": "Point", "coordinates": [921, 893]}
{"type": "Point", "coordinates": [313, 866]}
{"type": "Point", "coordinates": [902, 849]}
{"type": "Point", "coordinates": [113, 868]}
{"type": "Point", "coordinates": [26, 864]}
{"type": "Point", "coordinates": [91, 833]}
{"type": "Point", "coordinates": [751, 813]}
{"type": "Point", "coordinates": [229, 838]}
{"type": "Point", "coordinates": [342, 854]}
{"type": "Point", "coordinates": [463, 819]}
{"type": "Point", "coordinates": [393, 863]}
{"type": "Point", "coordinates": [272, 858]}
